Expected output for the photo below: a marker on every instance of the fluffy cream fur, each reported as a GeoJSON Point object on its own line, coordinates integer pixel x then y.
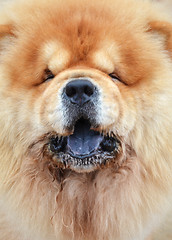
{"type": "Point", "coordinates": [131, 203]}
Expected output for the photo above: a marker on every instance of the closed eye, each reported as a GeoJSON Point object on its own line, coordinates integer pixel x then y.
{"type": "Point", "coordinates": [48, 75]}
{"type": "Point", "coordinates": [114, 76]}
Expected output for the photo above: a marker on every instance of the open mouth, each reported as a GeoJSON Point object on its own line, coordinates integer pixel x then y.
{"type": "Point", "coordinates": [85, 149]}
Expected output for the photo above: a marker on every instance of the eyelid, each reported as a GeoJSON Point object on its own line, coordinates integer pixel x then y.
{"type": "Point", "coordinates": [114, 76]}
{"type": "Point", "coordinates": [48, 75]}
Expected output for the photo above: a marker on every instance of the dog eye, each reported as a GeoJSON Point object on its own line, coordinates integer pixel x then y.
{"type": "Point", "coordinates": [48, 75]}
{"type": "Point", "coordinates": [115, 76]}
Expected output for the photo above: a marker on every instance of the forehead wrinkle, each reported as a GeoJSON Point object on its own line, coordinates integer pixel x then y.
{"type": "Point", "coordinates": [106, 57]}
{"type": "Point", "coordinates": [55, 56]}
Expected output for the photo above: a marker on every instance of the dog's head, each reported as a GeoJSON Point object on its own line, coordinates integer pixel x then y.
{"type": "Point", "coordinates": [85, 88]}
{"type": "Point", "coordinates": [81, 81]}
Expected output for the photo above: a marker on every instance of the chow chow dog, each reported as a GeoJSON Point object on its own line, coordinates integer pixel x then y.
{"type": "Point", "coordinates": [85, 120]}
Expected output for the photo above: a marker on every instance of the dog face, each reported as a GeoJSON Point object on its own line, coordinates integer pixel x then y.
{"type": "Point", "coordinates": [86, 124]}
{"type": "Point", "coordinates": [76, 87]}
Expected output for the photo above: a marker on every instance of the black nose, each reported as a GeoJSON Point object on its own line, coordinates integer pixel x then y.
{"type": "Point", "coordinates": [79, 91]}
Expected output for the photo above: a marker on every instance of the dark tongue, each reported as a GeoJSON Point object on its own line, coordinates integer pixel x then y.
{"type": "Point", "coordinates": [83, 141]}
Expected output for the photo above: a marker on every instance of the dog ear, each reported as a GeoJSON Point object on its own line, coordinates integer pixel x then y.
{"type": "Point", "coordinates": [165, 30]}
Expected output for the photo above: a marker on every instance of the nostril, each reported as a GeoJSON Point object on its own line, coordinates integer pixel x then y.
{"type": "Point", "coordinates": [89, 90]}
{"type": "Point", "coordinates": [70, 91]}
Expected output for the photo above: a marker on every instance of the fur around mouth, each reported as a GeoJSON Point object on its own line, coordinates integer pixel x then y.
{"type": "Point", "coordinates": [85, 149]}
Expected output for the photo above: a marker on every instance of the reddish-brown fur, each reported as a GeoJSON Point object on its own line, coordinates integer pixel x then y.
{"type": "Point", "coordinates": [130, 200]}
